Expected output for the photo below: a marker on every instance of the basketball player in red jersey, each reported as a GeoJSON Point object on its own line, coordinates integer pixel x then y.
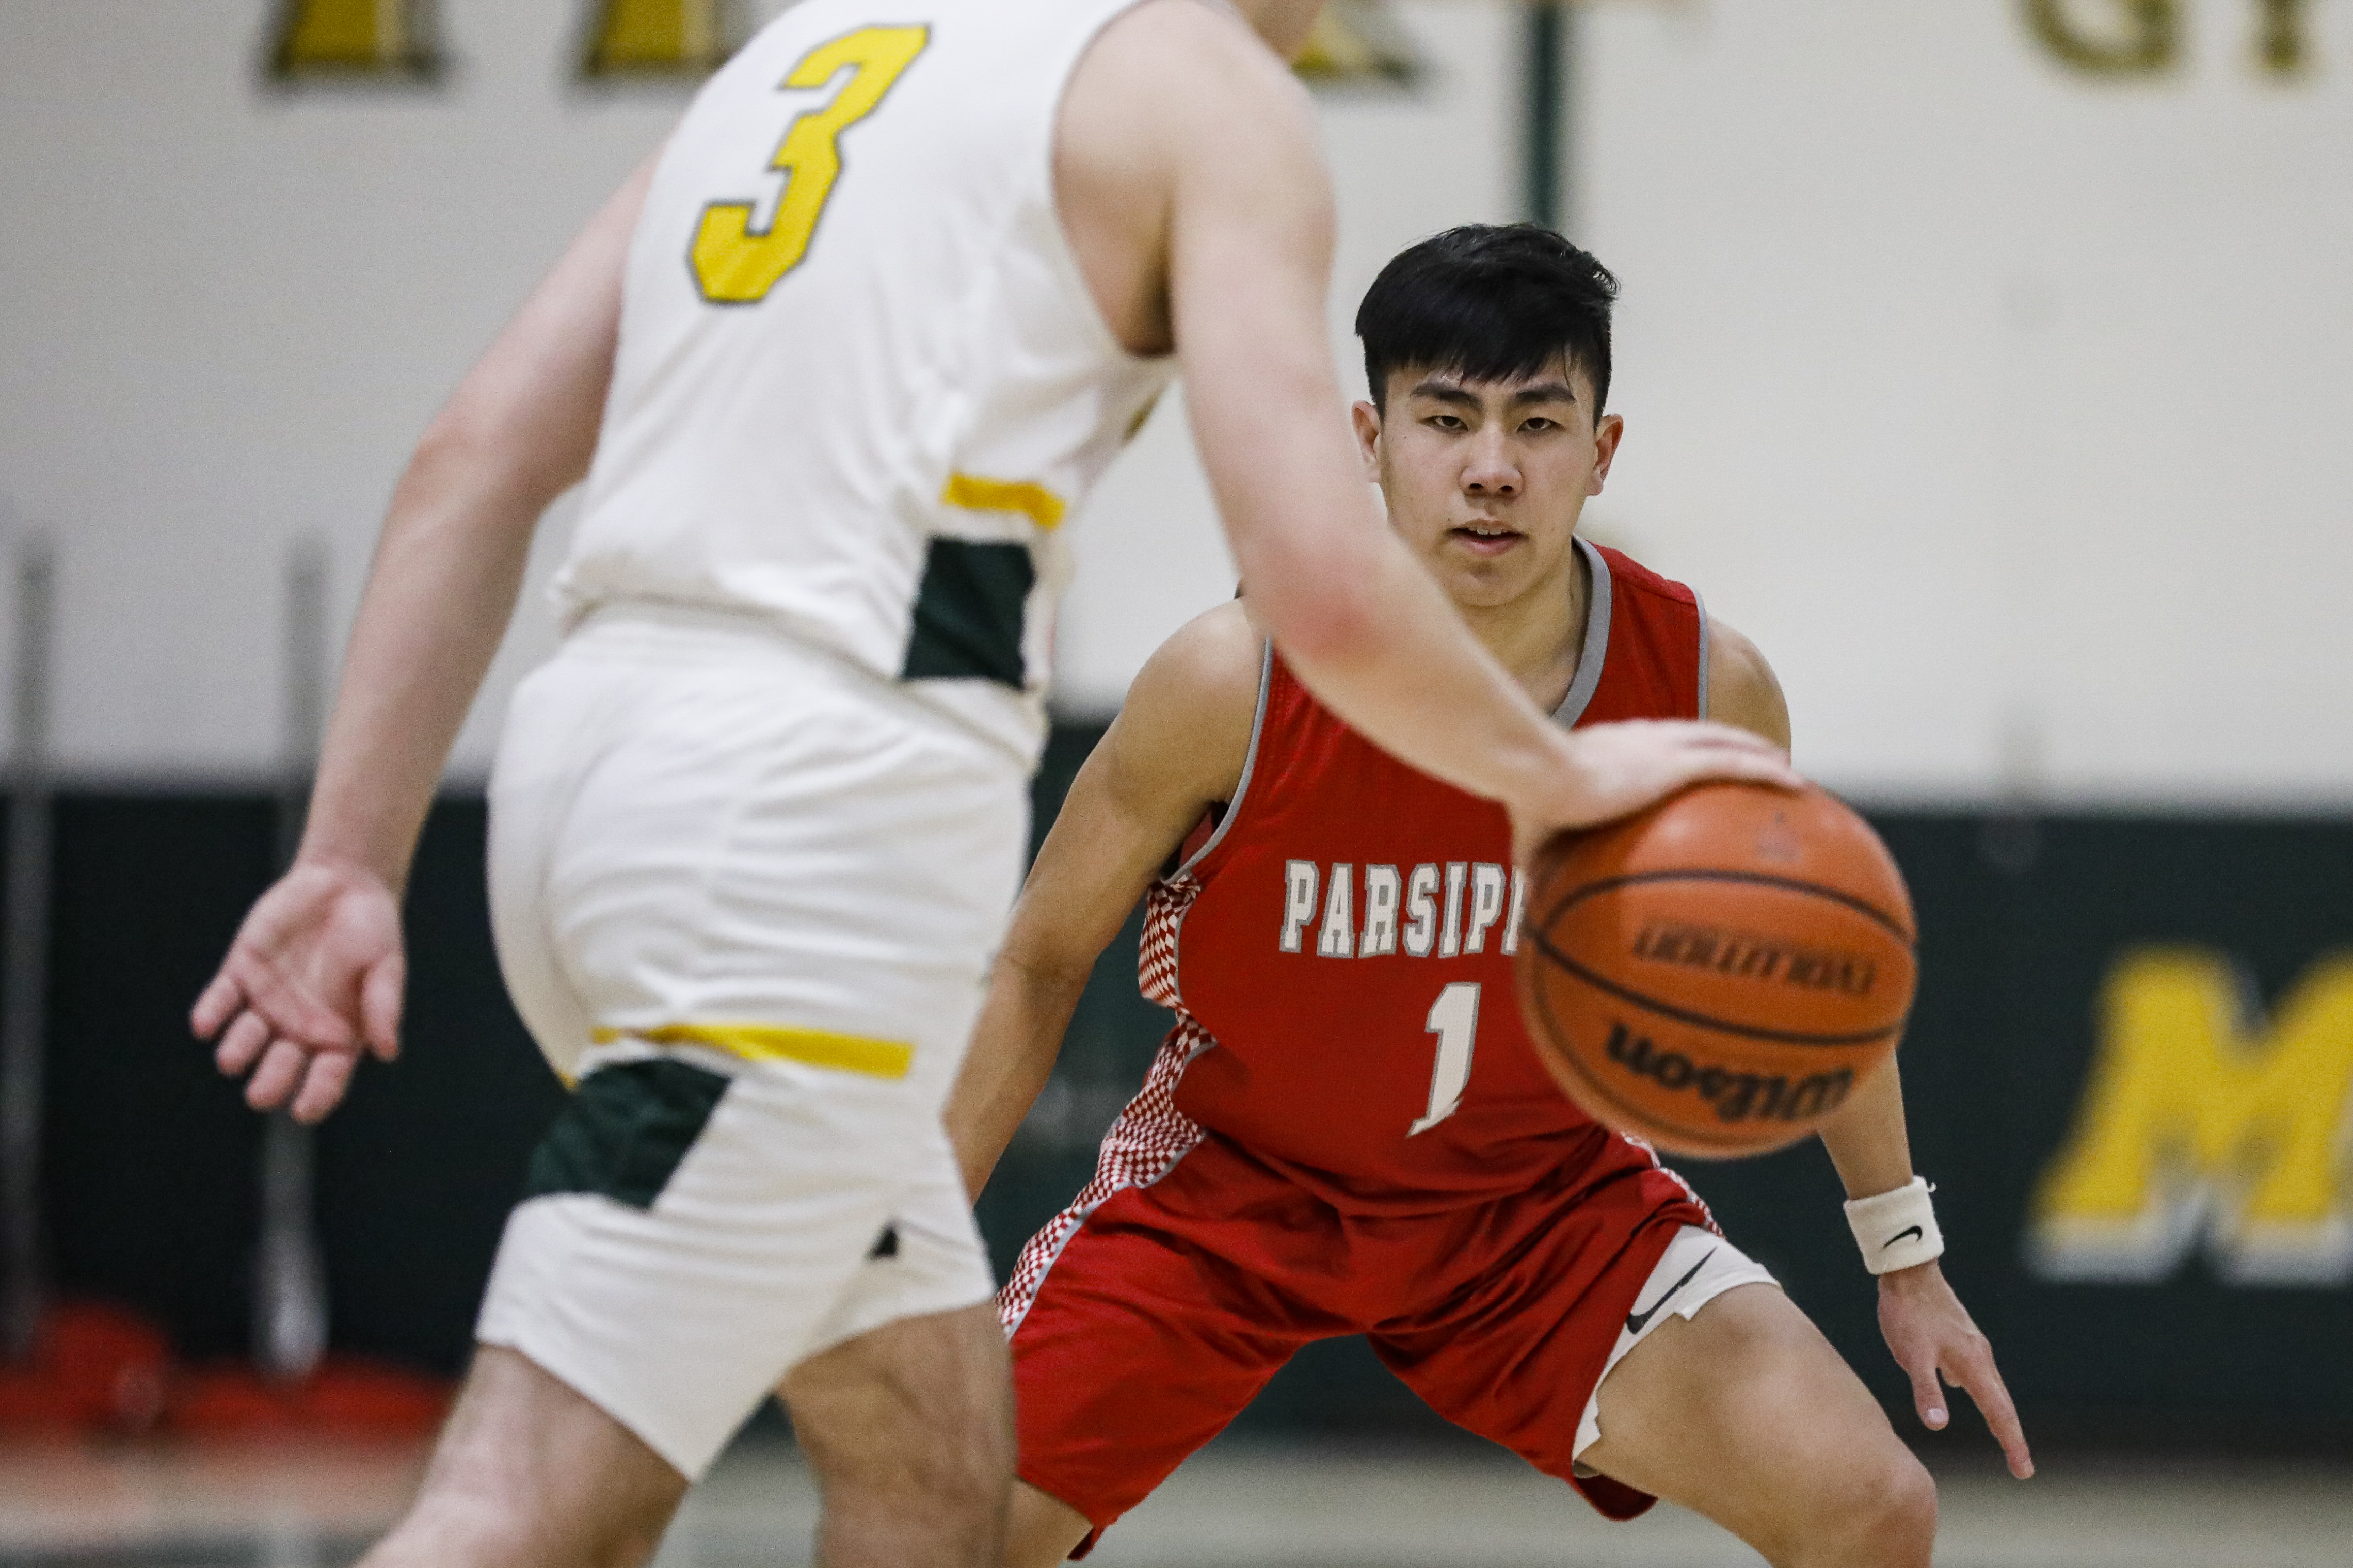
{"type": "Point", "coordinates": [1347, 1132]}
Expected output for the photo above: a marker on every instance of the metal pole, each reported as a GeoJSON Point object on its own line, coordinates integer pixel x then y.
{"type": "Point", "coordinates": [25, 957]}
{"type": "Point", "coordinates": [1544, 111]}
{"type": "Point", "coordinates": [290, 1287]}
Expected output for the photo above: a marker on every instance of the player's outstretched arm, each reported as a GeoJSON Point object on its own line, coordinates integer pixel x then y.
{"type": "Point", "coordinates": [1926, 1327]}
{"type": "Point", "coordinates": [1178, 745]}
{"type": "Point", "coordinates": [1250, 236]}
{"type": "Point", "coordinates": [314, 976]}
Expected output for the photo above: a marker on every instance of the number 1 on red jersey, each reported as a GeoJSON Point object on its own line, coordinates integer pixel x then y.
{"type": "Point", "coordinates": [1454, 1019]}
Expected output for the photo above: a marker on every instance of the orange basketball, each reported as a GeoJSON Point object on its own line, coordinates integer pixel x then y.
{"type": "Point", "coordinates": [1716, 973]}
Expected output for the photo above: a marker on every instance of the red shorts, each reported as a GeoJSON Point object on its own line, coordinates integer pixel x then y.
{"type": "Point", "coordinates": [1170, 1306]}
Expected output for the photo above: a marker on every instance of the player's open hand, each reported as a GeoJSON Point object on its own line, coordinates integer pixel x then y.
{"type": "Point", "coordinates": [1932, 1336]}
{"type": "Point", "coordinates": [313, 980]}
{"type": "Point", "coordinates": [1617, 769]}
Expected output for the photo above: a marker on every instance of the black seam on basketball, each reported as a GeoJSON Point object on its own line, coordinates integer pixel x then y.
{"type": "Point", "coordinates": [1755, 879]}
{"type": "Point", "coordinates": [1722, 1026]}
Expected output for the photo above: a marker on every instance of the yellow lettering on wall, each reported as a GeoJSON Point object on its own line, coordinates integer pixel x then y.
{"type": "Point", "coordinates": [1356, 41]}
{"type": "Point", "coordinates": [354, 37]}
{"type": "Point", "coordinates": [2127, 37]}
{"type": "Point", "coordinates": [657, 38]}
{"type": "Point", "coordinates": [2202, 1119]}
{"type": "Point", "coordinates": [2280, 36]}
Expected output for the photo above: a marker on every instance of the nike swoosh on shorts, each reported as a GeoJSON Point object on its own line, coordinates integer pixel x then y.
{"type": "Point", "coordinates": [1635, 1321]}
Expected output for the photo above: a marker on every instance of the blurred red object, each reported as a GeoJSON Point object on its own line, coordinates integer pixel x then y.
{"type": "Point", "coordinates": [347, 1397]}
{"type": "Point", "coordinates": [100, 1369]}
{"type": "Point", "coordinates": [94, 1368]}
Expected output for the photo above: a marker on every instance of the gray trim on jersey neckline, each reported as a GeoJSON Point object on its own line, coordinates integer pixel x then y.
{"type": "Point", "coordinates": [1701, 606]}
{"type": "Point", "coordinates": [1596, 651]}
{"type": "Point", "coordinates": [1249, 759]}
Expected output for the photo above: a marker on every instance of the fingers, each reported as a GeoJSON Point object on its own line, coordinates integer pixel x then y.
{"type": "Point", "coordinates": [215, 1006]}
{"type": "Point", "coordinates": [290, 1010]}
{"type": "Point", "coordinates": [241, 1046]}
{"type": "Point", "coordinates": [281, 1067]}
{"type": "Point", "coordinates": [1719, 750]}
{"type": "Point", "coordinates": [1977, 1374]}
{"type": "Point", "coordinates": [1928, 1397]}
{"type": "Point", "coordinates": [380, 1006]}
{"type": "Point", "coordinates": [1763, 766]}
{"type": "Point", "coordinates": [323, 1085]}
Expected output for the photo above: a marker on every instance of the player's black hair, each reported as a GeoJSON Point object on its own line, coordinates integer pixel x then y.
{"type": "Point", "coordinates": [1489, 302]}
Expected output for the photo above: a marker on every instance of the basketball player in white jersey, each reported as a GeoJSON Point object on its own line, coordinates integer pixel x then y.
{"type": "Point", "coordinates": [845, 358]}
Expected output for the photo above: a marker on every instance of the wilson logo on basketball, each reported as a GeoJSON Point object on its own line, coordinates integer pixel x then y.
{"type": "Point", "coordinates": [1736, 1095]}
{"type": "Point", "coordinates": [1753, 956]}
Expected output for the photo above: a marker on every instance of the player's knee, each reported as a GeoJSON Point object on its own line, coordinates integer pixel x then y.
{"type": "Point", "coordinates": [1887, 1518]}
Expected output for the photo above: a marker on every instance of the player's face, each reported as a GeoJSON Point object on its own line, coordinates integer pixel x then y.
{"type": "Point", "coordinates": [1486, 480]}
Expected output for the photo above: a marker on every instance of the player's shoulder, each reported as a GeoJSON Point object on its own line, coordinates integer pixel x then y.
{"type": "Point", "coordinates": [1182, 38]}
{"type": "Point", "coordinates": [1186, 725]}
{"type": "Point", "coordinates": [1211, 662]}
{"type": "Point", "coordinates": [1742, 689]}
{"type": "Point", "coordinates": [1188, 67]}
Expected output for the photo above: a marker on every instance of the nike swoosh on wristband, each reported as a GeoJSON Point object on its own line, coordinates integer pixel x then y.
{"type": "Point", "coordinates": [1900, 1234]}
{"type": "Point", "coordinates": [1636, 1320]}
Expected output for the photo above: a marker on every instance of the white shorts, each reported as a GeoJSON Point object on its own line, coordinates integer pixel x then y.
{"type": "Point", "coordinates": [744, 898]}
{"type": "Point", "coordinates": [699, 825]}
{"type": "Point", "coordinates": [1697, 1266]}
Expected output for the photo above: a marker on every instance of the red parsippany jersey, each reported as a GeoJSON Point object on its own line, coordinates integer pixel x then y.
{"type": "Point", "coordinates": [1338, 948]}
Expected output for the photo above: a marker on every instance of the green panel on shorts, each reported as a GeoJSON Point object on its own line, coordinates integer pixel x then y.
{"type": "Point", "coordinates": [969, 613]}
{"type": "Point", "coordinates": [625, 1130]}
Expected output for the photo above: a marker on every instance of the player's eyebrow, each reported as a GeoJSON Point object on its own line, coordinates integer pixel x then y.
{"type": "Point", "coordinates": [1445, 392]}
{"type": "Point", "coordinates": [1546, 392]}
{"type": "Point", "coordinates": [1461, 396]}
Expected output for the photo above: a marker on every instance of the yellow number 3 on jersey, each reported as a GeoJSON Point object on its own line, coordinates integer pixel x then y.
{"type": "Point", "coordinates": [734, 265]}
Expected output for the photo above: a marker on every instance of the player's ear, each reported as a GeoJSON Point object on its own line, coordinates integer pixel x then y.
{"type": "Point", "coordinates": [1605, 450]}
{"type": "Point", "coordinates": [1368, 420]}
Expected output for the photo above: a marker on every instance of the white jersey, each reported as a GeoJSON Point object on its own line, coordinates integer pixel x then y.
{"type": "Point", "coordinates": [861, 384]}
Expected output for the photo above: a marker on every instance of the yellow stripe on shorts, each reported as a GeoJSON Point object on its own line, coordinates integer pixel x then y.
{"type": "Point", "coordinates": [1034, 502]}
{"type": "Point", "coordinates": [771, 1043]}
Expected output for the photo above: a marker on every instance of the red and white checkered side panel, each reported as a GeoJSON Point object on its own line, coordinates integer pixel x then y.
{"type": "Point", "coordinates": [1144, 1145]}
{"type": "Point", "coordinates": [1165, 903]}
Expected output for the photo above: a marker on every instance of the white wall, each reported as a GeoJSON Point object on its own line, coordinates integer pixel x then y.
{"type": "Point", "coordinates": [1999, 406]}
{"type": "Point", "coordinates": [2005, 407]}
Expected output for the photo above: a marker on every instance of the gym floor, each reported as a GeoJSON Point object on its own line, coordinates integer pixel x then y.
{"type": "Point", "coordinates": [1239, 1505]}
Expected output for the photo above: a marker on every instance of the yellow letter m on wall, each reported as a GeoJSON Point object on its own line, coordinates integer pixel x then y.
{"type": "Point", "coordinates": [2204, 1121]}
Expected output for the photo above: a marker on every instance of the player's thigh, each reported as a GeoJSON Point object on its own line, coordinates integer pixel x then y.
{"type": "Point", "coordinates": [904, 1408]}
{"type": "Point", "coordinates": [530, 1472]}
{"type": "Point", "coordinates": [691, 1234]}
{"type": "Point", "coordinates": [1744, 1412]}
{"type": "Point", "coordinates": [905, 1393]}
{"type": "Point", "coordinates": [917, 1409]}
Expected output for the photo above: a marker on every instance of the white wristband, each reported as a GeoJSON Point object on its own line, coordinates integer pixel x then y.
{"type": "Point", "coordinates": [1898, 1229]}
